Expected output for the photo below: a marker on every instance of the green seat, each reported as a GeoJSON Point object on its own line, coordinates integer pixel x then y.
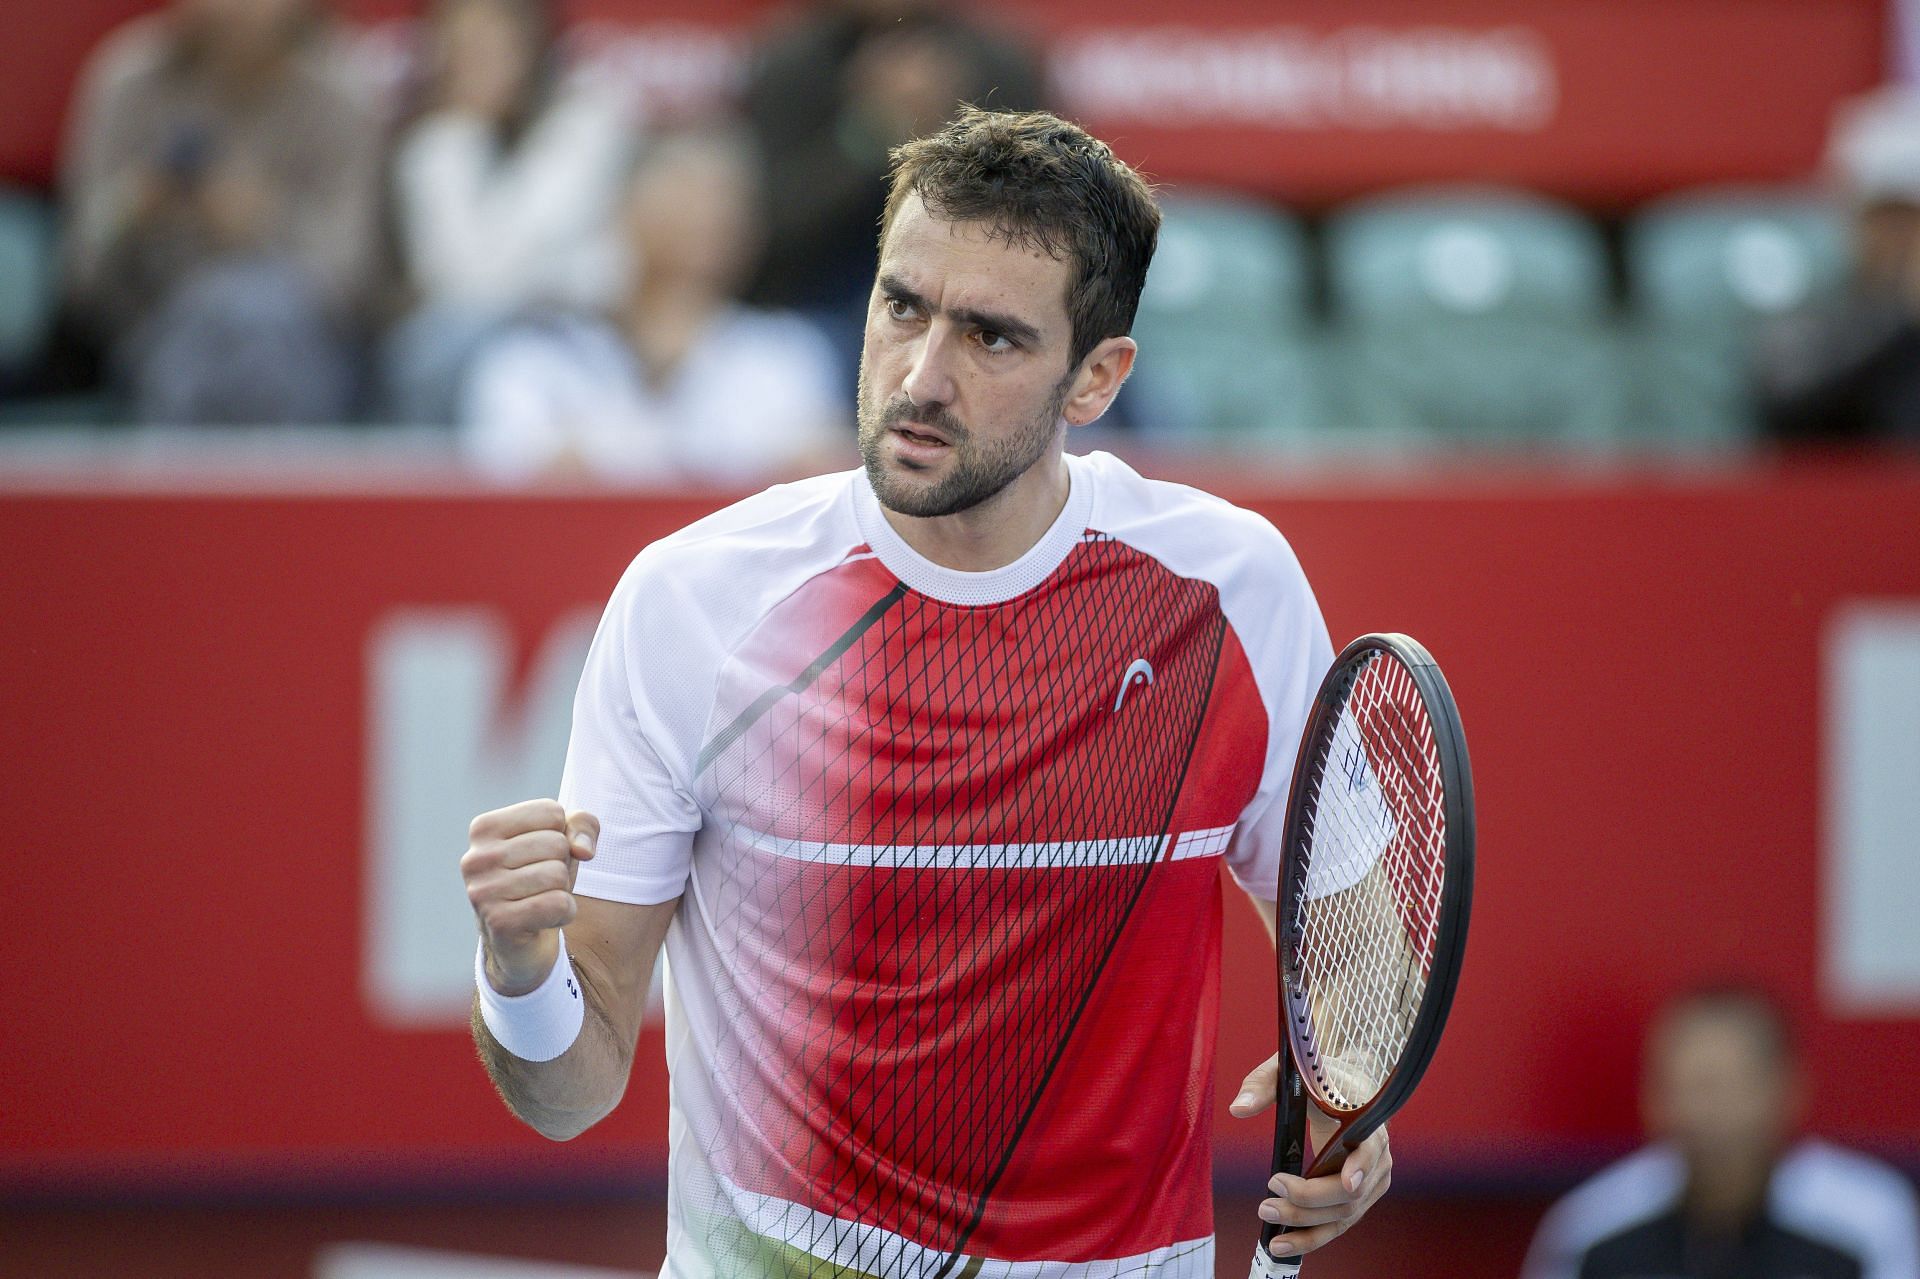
{"type": "Point", "coordinates": [1706, 271]}
{"type": "Point", "coordinates": [27, 276]}
{"type": "Point", "coordinates": [1225, 345]}
{"type": "Point", "coordinates": [1476, 317]}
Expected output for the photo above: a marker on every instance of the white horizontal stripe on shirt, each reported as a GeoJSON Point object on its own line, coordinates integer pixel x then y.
{"type": "Point", "coordinates": [1049, 855]}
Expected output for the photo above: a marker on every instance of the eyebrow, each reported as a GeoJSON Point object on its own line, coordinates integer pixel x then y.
{"type": "Point", "coordinates": [994, 321]}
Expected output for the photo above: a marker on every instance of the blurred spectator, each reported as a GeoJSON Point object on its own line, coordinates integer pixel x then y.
{"type": "Point", "coordinates": [1849, 371]}
{"type": "Point", "coordinates": [220, 180]}
{"type": "Point", "coordinates": [504, 191]}
{"type": "Point", "coordinates": [828, 98]}
{"type": "Point", "coordinates": [1904, 15]}
{"type": "Point", "coordinates": [680, 381]}
{"type": "Point", "coordinates": [1725, 1193]}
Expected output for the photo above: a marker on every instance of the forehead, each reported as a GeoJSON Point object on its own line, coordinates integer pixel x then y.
{"type": "Point", "coordinates": [963, 265]}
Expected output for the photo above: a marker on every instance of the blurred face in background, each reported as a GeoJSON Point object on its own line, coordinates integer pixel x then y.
{"type": "Point", "coordinates": [1887, 239]}
{"type": "Point", "coordinates": [241, 31]}
{"type": "Point", "coordinates": [1720, 1088]}
{"type": "Point", "coordinates": [693, 213]}
{"type": "Point", "coordinates": [486, 53]}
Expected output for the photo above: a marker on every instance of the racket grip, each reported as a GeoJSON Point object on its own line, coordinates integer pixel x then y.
{"type": "Point", "coordinates": [1268, 1266]}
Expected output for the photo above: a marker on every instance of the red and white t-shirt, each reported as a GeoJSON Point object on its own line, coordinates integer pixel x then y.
{"type": "Point", "coordinates": [943, 985]}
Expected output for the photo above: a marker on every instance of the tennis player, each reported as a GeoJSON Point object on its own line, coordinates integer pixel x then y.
{"type": "Point", "coordinates": [923, 773]}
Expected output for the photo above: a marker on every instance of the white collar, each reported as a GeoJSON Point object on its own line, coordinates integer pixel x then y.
{"type": "Point", "coordinates": [957, 586]}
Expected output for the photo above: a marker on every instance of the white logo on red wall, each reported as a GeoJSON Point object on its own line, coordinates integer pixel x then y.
{"type": "Point", "coordinates": [1871, 797]}
{"type": "Point", "coordinates": [1428, 77]}
{"type": "Point", "coordinates": [448, 736]}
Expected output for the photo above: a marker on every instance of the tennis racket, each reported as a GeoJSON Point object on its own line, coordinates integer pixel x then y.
{"type": "Point", "coordinates": [1376, 878]}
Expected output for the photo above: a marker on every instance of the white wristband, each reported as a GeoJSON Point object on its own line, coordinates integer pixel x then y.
{"type": "Point", "coordinates": [541, 1024]}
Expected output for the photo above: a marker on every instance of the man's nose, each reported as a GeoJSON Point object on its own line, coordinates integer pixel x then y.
{"type": "Point", "coordinates": [929, 378]}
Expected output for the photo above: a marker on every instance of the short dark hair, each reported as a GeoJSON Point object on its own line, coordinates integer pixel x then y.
{"type": "Point", "coordinates": [1045, 183]}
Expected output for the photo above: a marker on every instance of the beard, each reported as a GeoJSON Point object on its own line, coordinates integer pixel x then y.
{"type": "Point", "coordinates": [976, 472]}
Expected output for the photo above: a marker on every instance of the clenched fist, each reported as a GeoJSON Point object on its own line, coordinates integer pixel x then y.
{"type": "Point", "coordinates": [519, 869]}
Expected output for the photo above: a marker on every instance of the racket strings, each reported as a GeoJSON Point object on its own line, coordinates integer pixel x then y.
{"type": "Point", "coordinates": [1367, 917]}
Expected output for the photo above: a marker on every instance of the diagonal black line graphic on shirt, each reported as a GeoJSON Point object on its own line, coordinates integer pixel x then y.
{"type": "Point", "coordinates": [1217, 626]}
{"type": "Point", "coordinates": [765, 702]}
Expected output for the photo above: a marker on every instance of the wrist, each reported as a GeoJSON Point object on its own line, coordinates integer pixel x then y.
{"type": "Point", "coordinates": [540, 1024]}
{"type": "Point", "coordinates": [512, 972]}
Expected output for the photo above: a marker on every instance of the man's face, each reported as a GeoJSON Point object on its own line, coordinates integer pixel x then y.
{"type": "Point", "coordinates": [691, 216]}
{"type": "Point", "coordinates": [964, 371]}
{"type": "Point", "coordinates": [1716, 1092]}
{"type": "Point", "coordinates": [1887, 243]}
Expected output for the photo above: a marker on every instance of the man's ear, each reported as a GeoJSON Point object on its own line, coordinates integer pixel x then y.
{"type": "Point", "coordinates": [1098, 380]}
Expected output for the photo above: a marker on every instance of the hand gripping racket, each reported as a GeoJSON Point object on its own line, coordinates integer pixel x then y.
{"type": "Point", "coordinates": [1376, 878]}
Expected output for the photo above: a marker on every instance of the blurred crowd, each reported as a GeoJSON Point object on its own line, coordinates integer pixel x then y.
{"type": "Point", "coordinates": [254, 230]}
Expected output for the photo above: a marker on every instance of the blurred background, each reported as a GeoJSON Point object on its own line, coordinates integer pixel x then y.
{"type": "Point", "coordinates": [350, 348]}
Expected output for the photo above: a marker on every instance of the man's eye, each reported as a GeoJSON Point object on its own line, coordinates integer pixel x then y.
{"type": "Point", "coordinates": [899, 310]}
{"type": "Point", "coordinates": [995, 341]}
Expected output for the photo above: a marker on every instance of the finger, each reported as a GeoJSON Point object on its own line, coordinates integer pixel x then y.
{"type": "Point", "coordinates": [1367, 1164]}
{"type": "Point", "coordinates": [552, 909]}
{"type": "Point", "coordinates": [1284, 1212]}
{"type": "Point", "coordinates": [517, 819]}
{"type": "Point", "coordinates": [521, 882]}
{"type": "Point", "coordinates": [1296, 1242]}
{"type": "Point", "coordinates": [1258, 1092]}
{"type": "Point", "coordinates": [534, 846]}
{"type": "Point", "coordinates": [583, 832]}
{"type": "Point", "coordinates": [1311, 1192]}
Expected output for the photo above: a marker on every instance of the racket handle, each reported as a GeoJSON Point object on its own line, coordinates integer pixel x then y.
{"type": "Point", "coordinates": [1268, 1266]}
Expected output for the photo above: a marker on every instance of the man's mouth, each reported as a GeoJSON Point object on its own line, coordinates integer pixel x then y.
{"type": "Point", "coordinates": [920, 434]}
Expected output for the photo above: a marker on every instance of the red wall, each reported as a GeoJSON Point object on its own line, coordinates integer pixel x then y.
{"type": "Point", "coordinates": [1637, 662]}
{"type": "Point", "coordinates": [1608, 100]}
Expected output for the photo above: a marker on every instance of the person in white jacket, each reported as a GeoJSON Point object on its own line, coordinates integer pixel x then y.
{"type": "Point", "coordinates": [1726, 1191]}
{"type": "Point", "coordinates": [504, 190]}
{"type": "Point", "coordinates": [677, 382]}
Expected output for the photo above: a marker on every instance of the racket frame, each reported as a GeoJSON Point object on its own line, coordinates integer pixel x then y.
{"type": "Point", "coordinates": [1294, 1093]}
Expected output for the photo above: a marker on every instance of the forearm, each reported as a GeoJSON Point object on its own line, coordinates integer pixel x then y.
{"type": "Point", "coordinates": [565, 1096]}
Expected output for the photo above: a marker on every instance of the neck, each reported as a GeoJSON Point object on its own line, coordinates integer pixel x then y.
{"type": "Point", "coordinates": [664, 317]}
{"type": "Point", "coordinates": [998, 531]}
{"type": "Point", "coordinates": [1723, 1198]}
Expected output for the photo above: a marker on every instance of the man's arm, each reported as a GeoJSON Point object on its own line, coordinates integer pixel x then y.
{"type": "Point", "coordinates": [1321, 1210]}
{"type": "Point", "coordinates": [519, 869]}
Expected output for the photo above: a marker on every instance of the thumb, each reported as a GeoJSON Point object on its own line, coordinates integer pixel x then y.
{"type": "Point", "coordinates": [1257, 1092]}
{"type": "Point", "coordinates": [583, 833]}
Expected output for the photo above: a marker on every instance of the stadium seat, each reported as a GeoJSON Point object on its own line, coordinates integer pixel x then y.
{"type": "Point", "coordinates": [1705, 271]}
{"type": "Point", "coordinates": [1227, 351]}
{"type": "Point", "coordinates": [27, 279]}
{"type": "Point", "coordinates": [1476, 316]}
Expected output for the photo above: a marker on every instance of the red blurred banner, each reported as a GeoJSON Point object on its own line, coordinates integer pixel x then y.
{"type": "Point", "coordinates": [192, 691]}
{"type": "Point", "coordinates": [1603, 101]}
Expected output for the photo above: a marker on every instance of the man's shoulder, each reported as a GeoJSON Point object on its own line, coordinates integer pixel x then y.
{"type": "Point", "coordinates": [1193, 532]}
{"type": "Point", "coordinates": [1831, 1193]}
{"type": "Point", "coordinates": [771, 540]}
{"type": "Point", "coordinates": [132, 54]}
{"type": "Point", "coordinates": [1614, 1202]}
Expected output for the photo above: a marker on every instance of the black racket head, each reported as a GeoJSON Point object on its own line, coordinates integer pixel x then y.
{"type": "Point", "coordinates": [1379, 837]}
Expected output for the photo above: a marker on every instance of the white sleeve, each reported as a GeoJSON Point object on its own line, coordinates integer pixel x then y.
{"type": "Point", "coordinates": [623, 765]}
{"type": "Point", "coordinates": [1286, 642]}
{"type": "Point", "coordinates": [1853, 1202]}
{"type": "Point", "coordinates": [821, 412]}
{"type": "Point", "coordinates": [1619, 1197]}
{"type": "Point", "coordinates": [439, 176]}
{"type": "Point", "coordinates": [524, 227]}
{"type": "Point", "coordinates": [512, 409]}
